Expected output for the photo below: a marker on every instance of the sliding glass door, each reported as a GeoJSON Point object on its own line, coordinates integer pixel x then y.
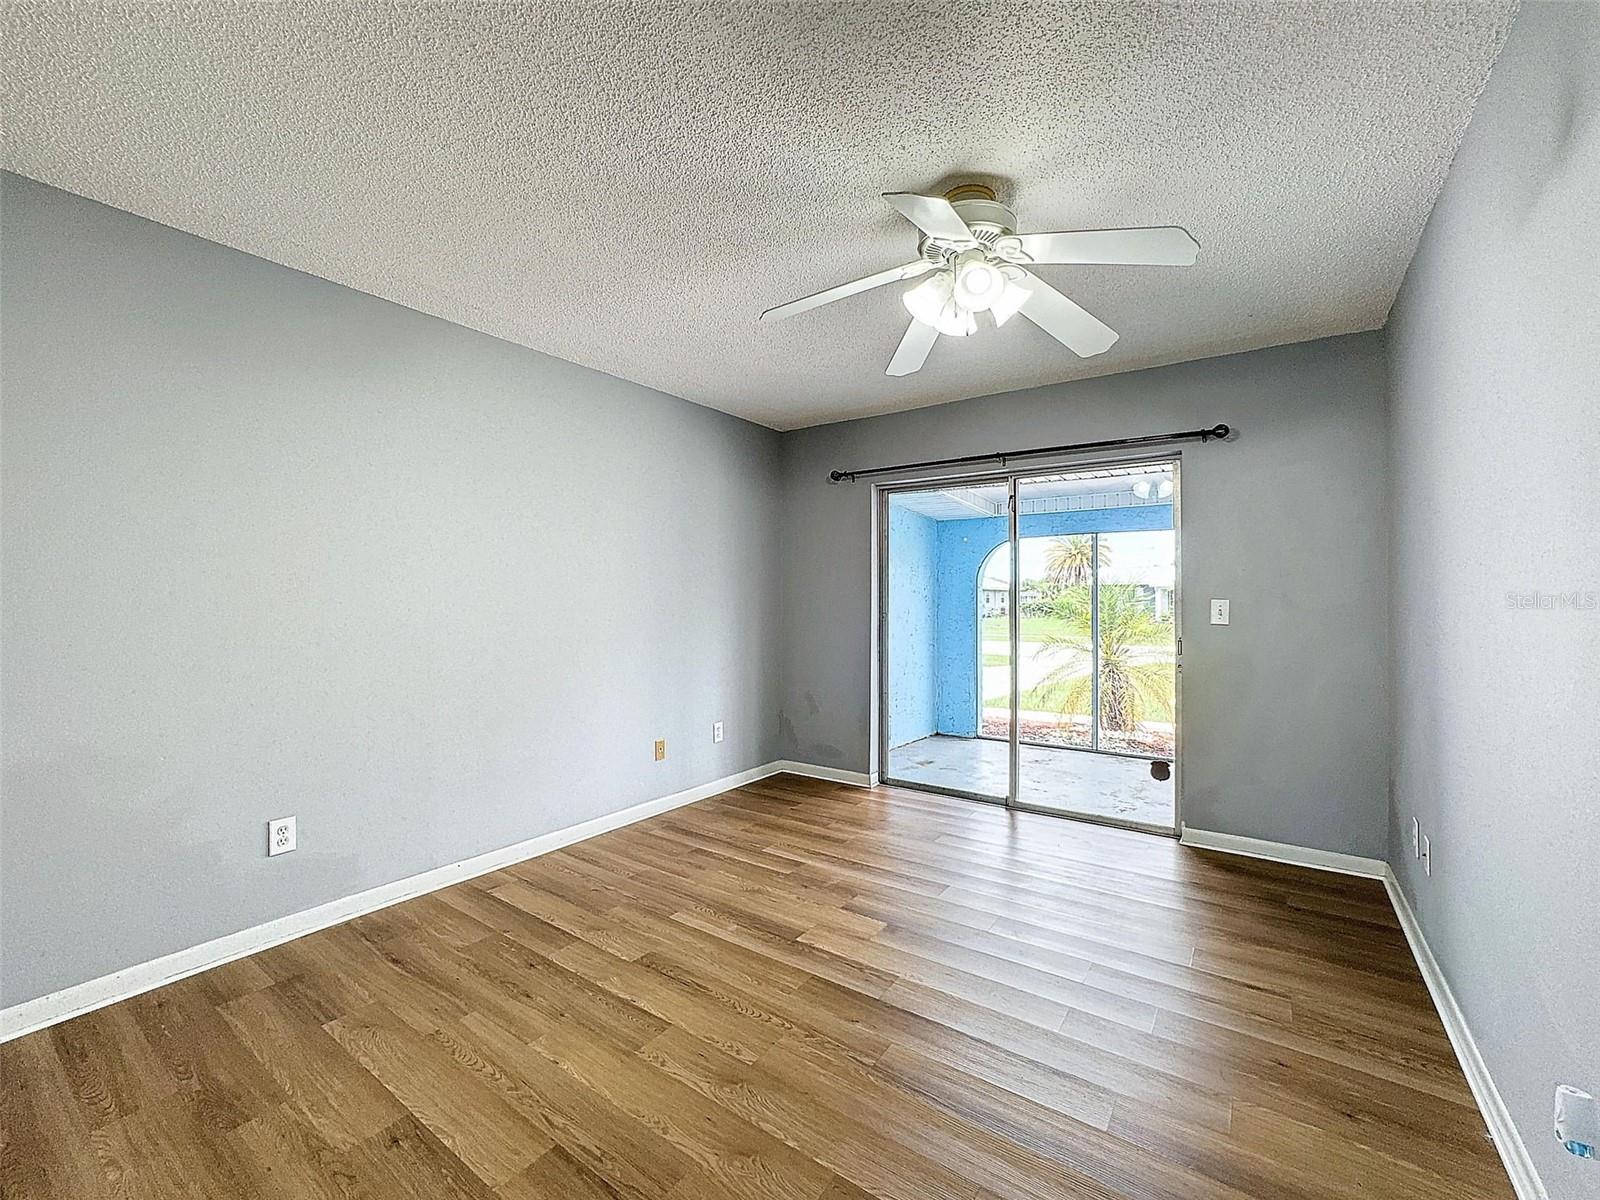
{"type": "Point", "coordinates": [944, 640]}
{"type": "Point", "coordinates": [1097, 651]}
{"type": "Point", "coordinates": [1029, 641]}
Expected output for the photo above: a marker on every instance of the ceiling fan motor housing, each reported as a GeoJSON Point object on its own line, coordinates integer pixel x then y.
{"type": "Point", "coordinates": [984, 214]}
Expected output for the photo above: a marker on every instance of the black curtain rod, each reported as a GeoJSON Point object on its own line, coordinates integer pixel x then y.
{"type": "Point", "coordinates": [1219, 432]}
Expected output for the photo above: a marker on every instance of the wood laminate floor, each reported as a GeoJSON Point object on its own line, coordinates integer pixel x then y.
{"type": "Point", "coordinates": [795, 990]}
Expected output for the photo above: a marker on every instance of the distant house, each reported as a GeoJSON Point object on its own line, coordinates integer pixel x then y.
{"type": "Point", "coordinates": [1156, 599]}
{"type": "Point", "coordinates": [994, 600]}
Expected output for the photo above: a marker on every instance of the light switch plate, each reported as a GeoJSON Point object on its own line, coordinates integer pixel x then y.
{"type": "Point", "coordinates": [1219, 612]}
{"type": "Point", "coordinates": [280, 836]}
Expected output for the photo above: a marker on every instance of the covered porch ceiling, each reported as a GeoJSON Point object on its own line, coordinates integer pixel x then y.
{"type": "Point", "coordinates": [1107, 487]}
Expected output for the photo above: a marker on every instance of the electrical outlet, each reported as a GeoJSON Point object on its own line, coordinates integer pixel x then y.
{"type": "Point", "coordinates": [661, 749]}
{"type": "Point", "coordinates": [1416, 839]}
{"type": "Point", "coordinates": [1427, 856]}
{"type": "Point", "coordinates": [716, 731]}
{"type": "Point", "coordinates": [1578, 1121]}
{"type": "Point", "coordinates": [280, 836]}
{"type": "Point", "coordinates": [1219, 612]}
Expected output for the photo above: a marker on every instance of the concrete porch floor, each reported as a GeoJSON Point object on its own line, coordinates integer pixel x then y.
{"type": "Point", "coordinates": [1061, 780]}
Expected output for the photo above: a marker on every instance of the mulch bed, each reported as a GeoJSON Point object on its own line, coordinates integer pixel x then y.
{"type": "Point", "coordinates": [1074, 733]}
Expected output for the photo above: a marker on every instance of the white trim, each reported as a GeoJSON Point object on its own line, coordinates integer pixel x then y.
{"type": "Point", "coordinates": [831, 774]}
{"type": "Point", "coordinates": [1508, 1141]}
{"type": "Point", "coordinates": [1300, 856]}
{"type": "Point", "coordinates": [81, 998]}
{"type": "Point", "coordinates": [74, 1001]}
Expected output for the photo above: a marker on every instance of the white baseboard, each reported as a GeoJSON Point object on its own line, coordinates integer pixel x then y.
{"type": "Point", "coordinates": [1300, 856]}
{"type": "Point", "coordinates": [70, 1002]}
{"type": "Point", "coordinates": [831, 774]}
{"type": "Point", "coordinates": [1519, 1166]}
{"type": "Point", "coordinates": [131, 981]}
{"type": "Point", "coordinates": [1514, 1154]}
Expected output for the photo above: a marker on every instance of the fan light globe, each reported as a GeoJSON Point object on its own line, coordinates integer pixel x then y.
{"type": "Point", "coordinates": [1142, 489]}
{"type": "Point", "coordinates": [933, 303]}
{"type": "Point", "coordinates": [1013, 295]}
{"type": "Point", "coordinates": [978, 282]}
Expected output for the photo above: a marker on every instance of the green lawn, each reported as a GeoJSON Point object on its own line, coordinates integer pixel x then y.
{"type": "Point", "coordinates": [1044, 698]}
{"type": "Point", "coordinates": [1036, 629]}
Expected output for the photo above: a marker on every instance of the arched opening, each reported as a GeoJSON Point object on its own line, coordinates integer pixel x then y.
{"type": "Point", "coordinates": [1096, 647]}
{"type": "Point", "coordinates": [992, 698]}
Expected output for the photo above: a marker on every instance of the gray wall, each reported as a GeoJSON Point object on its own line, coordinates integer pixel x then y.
{"type": "Point", "coordinates": [273, 546]}
{"type": "Point", "coordinates": [1495, 361]}
{"type": "Point", "coordinates": [1286, 725]}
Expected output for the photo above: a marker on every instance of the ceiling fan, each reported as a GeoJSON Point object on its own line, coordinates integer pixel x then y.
{"type": "Point", "coordinates": [972, 260]}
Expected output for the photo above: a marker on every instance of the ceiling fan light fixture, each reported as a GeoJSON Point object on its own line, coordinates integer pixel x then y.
{"type": "Point", "coordinates": [972, 260]}
{"type": "Point", "coordinates": [1014, 294]}
{"type": "Point", "coordinates": [978, 282]}
{"type": "Point", "coordinates": [933, 303]}
{"type": "Point", "coordinates": [925, 299]}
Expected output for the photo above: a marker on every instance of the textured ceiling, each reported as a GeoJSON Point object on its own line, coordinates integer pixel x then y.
{"type": "Point", "coordinates": [627, 186]}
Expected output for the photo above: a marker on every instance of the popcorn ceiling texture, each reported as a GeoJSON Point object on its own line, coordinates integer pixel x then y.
{"type": "Point", "coordinates": [628, 185]}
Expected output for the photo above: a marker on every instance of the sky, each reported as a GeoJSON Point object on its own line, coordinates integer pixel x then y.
{"type": "Point", "coordinates": [1134, 558]}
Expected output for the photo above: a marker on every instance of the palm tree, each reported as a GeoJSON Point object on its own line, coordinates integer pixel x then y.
{"type": "Point", "coordinates": [1069, 561]}
{"type": "Point", "coordinates": [1131, 691]}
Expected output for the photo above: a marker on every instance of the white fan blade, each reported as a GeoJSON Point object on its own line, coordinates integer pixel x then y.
{"type": "Point", "coordinates": [1079, 331]}
{"type": "Point", "coordinates": [1162, 246]}
{"type": "Point", "coordinates": [931, 214]}
{"type": "Point", "coordinates": [908, 270]}
{"type": "Point", "coordinates": [913, 349]}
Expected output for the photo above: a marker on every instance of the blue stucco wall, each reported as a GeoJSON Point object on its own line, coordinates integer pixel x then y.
{"type": "Point", "coordinates": [962, 547]}
{"type": "Point", "coordinates": [913, 624]}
